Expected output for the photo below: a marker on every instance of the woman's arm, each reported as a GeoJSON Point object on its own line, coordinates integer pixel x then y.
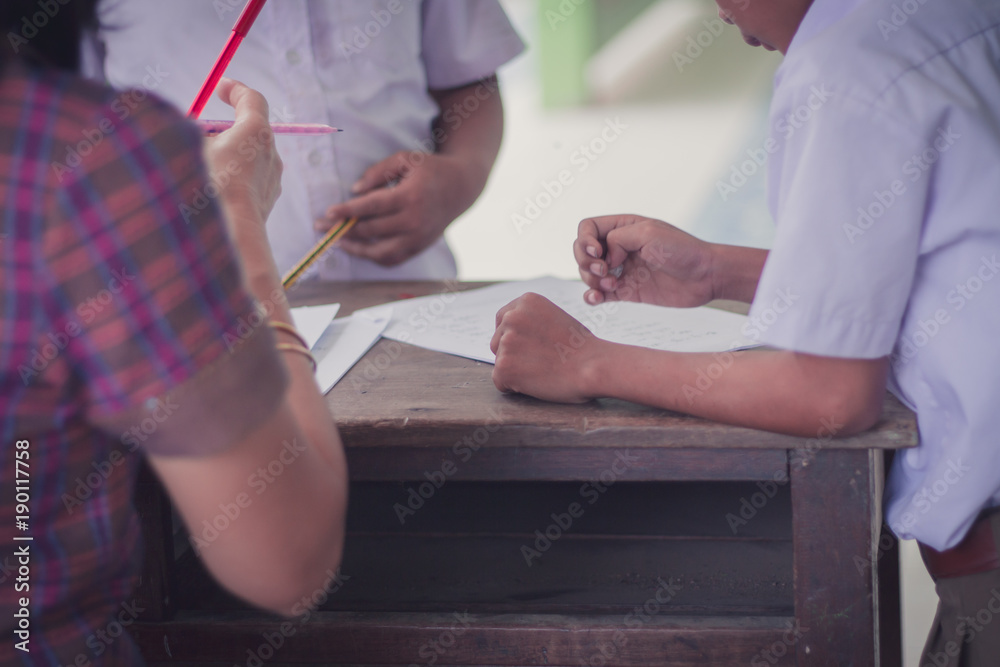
{"type": "Point", "coordinates": [284, 532]}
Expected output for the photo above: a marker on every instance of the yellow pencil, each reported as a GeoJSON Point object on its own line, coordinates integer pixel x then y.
{"type": "Point", "coordinates": [335, 234]}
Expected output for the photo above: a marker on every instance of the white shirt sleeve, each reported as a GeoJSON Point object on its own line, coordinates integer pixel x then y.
{"type": "Point", "coordinates": [849, 201]}
{"type": "Point", "coordinates": [465, 41]}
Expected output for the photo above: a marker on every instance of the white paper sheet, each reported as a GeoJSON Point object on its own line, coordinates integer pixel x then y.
{"type": "Point", "coordinates": [312, 321]}
{"type": "Point", "coordinates": [462, 323]}
{"type": "Point", "coordinates": [345, 341]}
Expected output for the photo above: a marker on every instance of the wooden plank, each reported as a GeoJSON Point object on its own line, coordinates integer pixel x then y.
{"type": "Point", "coordinates": [153, 589]}
{"type": "Point", "coordinates": [507, 462]}
{"type": "Point", "coordinates": [836, 523]}
{"type": "Point", "coordinates": [546, 572]}
{"type": "Point", "coordinates": [339, 638]}
{"type": "Point", "coordinates": [890, 617]}
{"type": "Point", "coordinates": [675, 509]}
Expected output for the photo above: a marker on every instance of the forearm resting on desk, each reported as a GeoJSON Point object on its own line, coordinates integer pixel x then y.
{"type": "Point", "coordinates": [543, 352]}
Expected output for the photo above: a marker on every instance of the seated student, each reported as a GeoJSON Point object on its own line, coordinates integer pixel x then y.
{"type": "Point", "coordinates": [126, 331]}
{"type": "Point", "coordinates": [883, 271]}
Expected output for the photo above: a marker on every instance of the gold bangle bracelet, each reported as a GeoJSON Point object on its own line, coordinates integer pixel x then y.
{"type": "Point", "coordinates": [290, 330]}
{"type": "Point", "coordinates": [299, 349]}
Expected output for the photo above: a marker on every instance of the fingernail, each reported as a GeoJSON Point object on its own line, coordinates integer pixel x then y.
{"type": "Point", "coordinates": [597, 269]}
{"type": "Point", "coordinates": [591, 298]}
{"type": "Point", "coordinates": [356, 188]}
{"type": "Point", "coordinates": [608, 284]}
{"type": "Point", "coordinates": [593, 252]}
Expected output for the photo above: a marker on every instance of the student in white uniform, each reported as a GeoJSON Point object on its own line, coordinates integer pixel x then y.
{"type": "Point", "coordinates": [884, 182]}
{"type": "Point", "coordinates": [412, 84]}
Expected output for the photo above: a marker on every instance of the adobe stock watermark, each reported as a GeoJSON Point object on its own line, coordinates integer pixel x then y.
{"type": "Point", "coordinates": [886, 541]}
{"type": "Point", "coordinates": [562, 522]}
{"type": "Point", "coordinates": [157, 412]}
{"type": "Point", "coordinates": [124, 104]}
{"type": "Point", "coordinates": [562, 12]}
{"type": "Point", "coordinates": [85, 312]}
{"type": "Point", "coordinates": [755, 326]}
{"type": "Point", "coordinates": [551, 189]}
{"type": "Point", "coordinates": [931, 494]}
{"type": "Point", "coordinates": [595, 317]}
{"type": "Point", "coordinates": [260, 315]}
{"type": "Point", "coordinates": [696, 45]}
{"type": "Point", "coordinates": [32, 24]}
{"type": "Point", "coordinates": [372, 366]}
{"type": "Point", "coordinates": [638, 617]}
{"type": "Point", "coordinates": [274, 640]}
{"type": "Point", "coordinates": [451, 119]}
{"type": "Point", "coordinates": [259, 481]}
{"type": "Point", "coordinates": [432, 650]}
{"type": "Point", "coordinates": [776, 651]}
{"type": "Point", "coordinates": [899, 17]}
{"type": "Point", "coordinates": [750, 507]}
{"type": "Point", "coordinates": [764, 318]}
{"type": "Point", "coordinates": [103, 638]}
{"type": "Point", "coordinates": [913, 169]}
{"type": "Point", "coordinates": [219, 180]}
{"type": "Point", "coordinates": [786, 126]}
{"type": "Point", "coordinates": [911, 342]}
{"type": "Point", "coordinates": [362, 36]}
{"type": "Point", "coordinates": [463, 450]}
{"type": "Point", "coordinates": [969, 628]}
{"type": "Point", "coordinates": [706, 376]}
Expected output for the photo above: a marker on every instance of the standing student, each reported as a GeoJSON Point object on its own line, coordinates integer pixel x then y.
{"type": "Point", "coordinates": [127, 331]}
{"type": "Point", "coordinates": [411, 82]}
{"type": "Point", "coordinates": [883, 181]}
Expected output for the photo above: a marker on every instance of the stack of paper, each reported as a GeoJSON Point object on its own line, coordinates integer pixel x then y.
{"type": "Point", "coordinates": [462, 323]}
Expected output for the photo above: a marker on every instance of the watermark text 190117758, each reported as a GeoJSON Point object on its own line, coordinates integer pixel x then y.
{"type": "Point", "coordinates": [22, 512]}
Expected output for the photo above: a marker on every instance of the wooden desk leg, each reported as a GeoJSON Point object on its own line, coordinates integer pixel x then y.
{"type": "Point", "coordinates": [152, 593]}
{"type": "Point", "coordinates": [836, 525]}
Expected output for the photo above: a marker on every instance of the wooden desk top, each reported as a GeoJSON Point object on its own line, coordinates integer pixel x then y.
{"type": "Point", "coordinates": [402, 396]}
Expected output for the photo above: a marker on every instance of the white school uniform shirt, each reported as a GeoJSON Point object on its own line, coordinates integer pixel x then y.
{"type": "Point", "coordinates": [361, 65]}
{"type": "Point", "coordinates": [885, 187]}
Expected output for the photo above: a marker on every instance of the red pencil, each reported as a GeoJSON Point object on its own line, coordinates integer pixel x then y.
{"type": "Point", "coordinates": [240, 31]}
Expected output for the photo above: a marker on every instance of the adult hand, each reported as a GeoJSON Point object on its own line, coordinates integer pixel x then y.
{"type": "Point", "coordinates": [403, 205]}
{"type": "Point", "coordinates": [659, 263]}
{"type": "Point", "coordinates": [243, 160]}
{"type": "Point", "coordinates": [245, 166]}
{"type": "Point", "coordinates": [543, 352]}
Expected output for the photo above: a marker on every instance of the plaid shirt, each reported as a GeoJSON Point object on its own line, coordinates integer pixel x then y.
{"type": "Point", "coordinates": [120, 296]}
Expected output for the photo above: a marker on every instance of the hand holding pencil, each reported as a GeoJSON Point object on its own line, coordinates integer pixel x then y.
{"type": "Point", "coordinates": [267, 193]}
{"type": "Point", "coordinates": [252, 181]}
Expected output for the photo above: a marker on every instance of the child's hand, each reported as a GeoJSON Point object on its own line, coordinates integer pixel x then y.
{"type": "Point", "coordinates": [402, 206]}
{"type": "Point", "coordinates": [658, 263]}
{"type": "Point", "coordinates": [543, 352]}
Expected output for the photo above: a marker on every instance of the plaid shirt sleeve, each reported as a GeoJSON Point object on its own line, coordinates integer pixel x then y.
{"type": "Point", "coordinates": [170, 352]}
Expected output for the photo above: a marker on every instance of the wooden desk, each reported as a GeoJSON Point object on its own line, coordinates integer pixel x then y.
{"type": "Point", "coordinates": [670, 539]}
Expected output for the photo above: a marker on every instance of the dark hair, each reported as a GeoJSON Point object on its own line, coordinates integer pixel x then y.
{"type": "Point", "coordinates": [45, 32]}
